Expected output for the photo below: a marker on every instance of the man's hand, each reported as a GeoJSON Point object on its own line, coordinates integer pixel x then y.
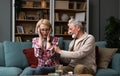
{"type": "Point", "coordinates": [57, 49]}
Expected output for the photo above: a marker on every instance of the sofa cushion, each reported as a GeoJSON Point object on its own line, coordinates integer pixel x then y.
{"type": "Point", "coordinates": [106, 72]}
{"type": "Point", "coordinates": [10, 71]}
{"type": "Point", "coordinates": [32, 60]}
{"type": "Point", "coordinates": [104, 56]}
{"type": "Point", "coordinates": [2, 56]}
{"type": "Point", "coordinates": [116, 62]}
{"type": "Point", "coordinates": [14, 56]}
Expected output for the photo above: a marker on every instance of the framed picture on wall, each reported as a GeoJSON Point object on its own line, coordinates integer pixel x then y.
{"type": "Point", "coordinates": [20, 29]}
{"type": "Point", "coordinates": [80, 16]}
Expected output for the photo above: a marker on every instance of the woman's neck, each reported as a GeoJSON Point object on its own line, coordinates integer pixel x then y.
{"type": "Point", "coordinates": [44, 39]}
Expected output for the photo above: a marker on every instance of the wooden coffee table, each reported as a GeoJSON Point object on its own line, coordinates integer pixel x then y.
{"type": "Point", "coordinates": [85, 75]}
{"type": "Point", "coordinates": [75, 75]}
{"type": "Point", "coordinates": [65, 75]}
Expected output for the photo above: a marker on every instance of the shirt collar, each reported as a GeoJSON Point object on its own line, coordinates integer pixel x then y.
{"type": "Point", "coordinates": [82, 37]}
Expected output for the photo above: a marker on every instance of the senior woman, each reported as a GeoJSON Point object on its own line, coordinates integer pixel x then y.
{"type": "Point", "coordinates": [43, 49]}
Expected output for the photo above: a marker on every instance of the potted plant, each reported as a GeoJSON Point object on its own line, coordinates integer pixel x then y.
{"type": "Point", "coordinates": [112, 33]}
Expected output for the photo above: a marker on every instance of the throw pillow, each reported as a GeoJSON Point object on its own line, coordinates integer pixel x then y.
{"type": "Point", "coordinates": [104, 56]}
{"type": "Point", "coordinates": [32, 60]}
{"type": "Point", "coordinates": [14, 56]}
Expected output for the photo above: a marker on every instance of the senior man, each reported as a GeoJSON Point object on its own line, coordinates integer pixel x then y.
{"type": "Point", "coordinates": [81, 52]}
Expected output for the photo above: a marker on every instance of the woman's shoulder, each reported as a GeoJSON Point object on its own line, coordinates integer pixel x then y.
{"type": "Point", "coordinates": [35, 39]}
{"type": "Point", "coordinates": [53, 37]}
{"type": "Point", "coordinates": [55, 40]}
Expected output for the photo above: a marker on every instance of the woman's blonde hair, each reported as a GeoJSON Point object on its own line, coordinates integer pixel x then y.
{"type": "Point", "coordinates": [45, 22]}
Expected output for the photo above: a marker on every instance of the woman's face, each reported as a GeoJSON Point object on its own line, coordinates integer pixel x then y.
{"type": "Point", "coordinates": [44, 30]}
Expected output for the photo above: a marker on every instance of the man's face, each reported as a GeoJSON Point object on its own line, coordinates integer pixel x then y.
{"type": "Point", "coordinates": [73, 30]}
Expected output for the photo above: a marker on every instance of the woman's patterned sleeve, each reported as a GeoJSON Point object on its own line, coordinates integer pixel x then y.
{"type": "Point", "coordinates": [54, 42]}
{"type": "Point", "coordinates": [35, 46]}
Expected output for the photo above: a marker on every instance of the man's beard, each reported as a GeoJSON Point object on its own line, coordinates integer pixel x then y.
{"type": "Point", "coordinates": [74, 36]}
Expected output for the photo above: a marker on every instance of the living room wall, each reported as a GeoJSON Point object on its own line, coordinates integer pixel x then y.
{"type": "Point", "coordinates": [100, 10]}
{"type": "Point", "coordinates": [5, 20]}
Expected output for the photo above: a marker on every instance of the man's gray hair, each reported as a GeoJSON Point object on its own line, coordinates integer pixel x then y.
{"type": "Point", "coordinates": [76, 23]}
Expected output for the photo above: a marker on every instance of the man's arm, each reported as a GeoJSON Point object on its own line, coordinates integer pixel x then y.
{"type": "Point", "coordinates": [84, 50]}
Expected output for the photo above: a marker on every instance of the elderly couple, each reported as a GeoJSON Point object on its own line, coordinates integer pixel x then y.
{"type": "Point", "coordinates": [80, 55]}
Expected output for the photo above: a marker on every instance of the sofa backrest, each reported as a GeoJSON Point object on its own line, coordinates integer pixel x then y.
{"type": "Point", "coordinates": [60, 42]}
{"type": "Point", "coordinates": [101, 43]}
{"type": "Point", "coordinates": [66, 44]}
{"type": "Point", "coordinates": [14, 56]}
{"type": "Point", "coordinates": [2, 56]}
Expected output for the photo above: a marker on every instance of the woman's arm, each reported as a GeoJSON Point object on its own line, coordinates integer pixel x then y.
{"type": "Point", "coordinates": [36, 46]}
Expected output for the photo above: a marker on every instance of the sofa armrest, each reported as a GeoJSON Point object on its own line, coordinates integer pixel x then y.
{"type": "Point", "coordinates": [116, 62]}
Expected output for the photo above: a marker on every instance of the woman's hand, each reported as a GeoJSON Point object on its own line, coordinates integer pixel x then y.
{"type": "Point", "coordinates": [48, 39]}
{"type": "Point", "coordinates": [39, 34]}
{"type": "Point", "coordinates": [40, 38]}
{"type": "Point", "coordinates": [48, 36]}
